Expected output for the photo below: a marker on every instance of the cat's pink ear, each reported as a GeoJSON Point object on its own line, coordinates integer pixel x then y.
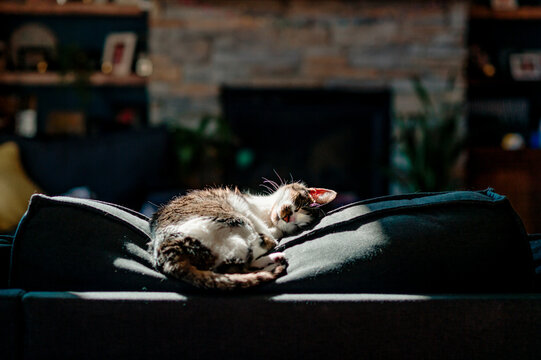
{"type": "Point", "coordinates": [322, 196]}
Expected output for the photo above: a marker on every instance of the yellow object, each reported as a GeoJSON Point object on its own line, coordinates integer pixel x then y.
{"type": "Point", "coordinates": [489, 70]}
{"type": "Point", "coordinates": [16, 188]}
{"type": "Point", "coordinates": [42, 67]}
{"type": "Point", "coordinates": [106, 67]}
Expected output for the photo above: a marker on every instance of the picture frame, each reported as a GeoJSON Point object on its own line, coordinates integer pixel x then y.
{"type": "Point", "coordinates": [525, 66]}
{"type": "Point", "coordinates": [118, 53]}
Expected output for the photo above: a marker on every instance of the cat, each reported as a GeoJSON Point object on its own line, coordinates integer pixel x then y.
{"type": "Point", "coordinates": [220, 238]}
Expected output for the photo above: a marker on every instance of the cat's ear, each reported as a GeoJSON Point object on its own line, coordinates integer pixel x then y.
{"type": "Point", "coordinates": [322, 196]}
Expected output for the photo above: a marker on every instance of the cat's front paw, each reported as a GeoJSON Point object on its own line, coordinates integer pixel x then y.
{"type": "Point", "coordinates": [276, 233]}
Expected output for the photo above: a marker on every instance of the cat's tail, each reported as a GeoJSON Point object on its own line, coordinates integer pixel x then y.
{"type": "Point", "coordinates": [172, 260]}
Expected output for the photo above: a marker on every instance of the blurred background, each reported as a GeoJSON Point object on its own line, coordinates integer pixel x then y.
{"type": "Point", "coordinates": [134, 101]}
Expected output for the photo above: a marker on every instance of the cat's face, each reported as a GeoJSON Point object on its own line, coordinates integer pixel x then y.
{"type": "Point", "coordinates": [297, 206]}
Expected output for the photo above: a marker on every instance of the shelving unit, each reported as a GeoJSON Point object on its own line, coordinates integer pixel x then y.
{"type": "Point", "coordinates": [516, 174]}
{"type": "Point", "coordinates": [522, 13]}
{"type": "Point", "coordinates": [69, 9]}
{"type": "Point", "coordinates": [498, 35]}
{"type": "Point", "coordinates": [100, 97]}
{"type": "Point", "coordinates": [56, 79]}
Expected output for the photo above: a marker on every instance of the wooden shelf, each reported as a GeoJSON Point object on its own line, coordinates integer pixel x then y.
{"type": "Point", "coordinates": [70, 9]}
{"type": "Point", "coordinates": [522, 13]}
{"type": "Point", "coordinates": [503, 82]}
{"type": "Point", "coordinates": [56, 79]}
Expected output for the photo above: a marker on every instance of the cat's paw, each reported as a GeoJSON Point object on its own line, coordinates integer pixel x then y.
{"type": "Point", "coordinates": [276, 233]}
{"type": "Point", "coordinates": [267, 242]}
{"type": "Point", "coordinates": [275, 263]}
{"type": "Point", "coordinates": [278, 258]}
{"type": "Point", "coordinates": [280, 263]}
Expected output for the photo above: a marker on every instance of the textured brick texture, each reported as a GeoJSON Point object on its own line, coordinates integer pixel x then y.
{"type": "Point", "coordinates": [197, 46]}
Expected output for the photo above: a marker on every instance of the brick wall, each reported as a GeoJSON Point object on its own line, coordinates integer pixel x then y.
{"type": "Point", "coordinates": [198, 45]}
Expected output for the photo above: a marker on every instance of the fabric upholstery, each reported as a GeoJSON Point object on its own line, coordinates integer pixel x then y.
{"type": "Point", "coordinates": [11, 320]}
{"type": "Point", "coordinates": [5, 259]}
{"type": "Point", "coordinates": [15, 187]}
{"type": "Point", "coordinates": [346, 326]}
{"type": "Point", "coordinates": [421, 243]}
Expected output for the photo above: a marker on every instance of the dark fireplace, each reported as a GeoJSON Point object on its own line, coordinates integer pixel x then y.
{"type": "Point", "coordinates": [335, 138]}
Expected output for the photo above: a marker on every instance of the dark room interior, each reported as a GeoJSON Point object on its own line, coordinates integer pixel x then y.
{"type": "Point", "coordinates": [423, 116]}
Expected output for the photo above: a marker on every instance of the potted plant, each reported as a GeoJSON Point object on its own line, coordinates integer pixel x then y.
{"type": "Point", "coordinates": [430, 143]}
{"type": "Point", "coordinates": [203, 151]}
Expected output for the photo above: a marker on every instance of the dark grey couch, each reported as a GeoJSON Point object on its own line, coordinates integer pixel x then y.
{"type": "Point", "coordinates": [444, 276]}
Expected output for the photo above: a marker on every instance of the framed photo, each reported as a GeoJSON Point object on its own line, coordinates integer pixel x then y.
{"type": "Point", "coordinates": [526, 66]}
{"type": "Point", "coordinates": [118, 53]}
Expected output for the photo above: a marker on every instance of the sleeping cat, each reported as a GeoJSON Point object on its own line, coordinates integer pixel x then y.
{"type": "Point", "coordinates": [220, 238]}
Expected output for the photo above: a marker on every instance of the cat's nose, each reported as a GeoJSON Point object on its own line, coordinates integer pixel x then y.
{"type": "Point", "coordinates": [285, 212]}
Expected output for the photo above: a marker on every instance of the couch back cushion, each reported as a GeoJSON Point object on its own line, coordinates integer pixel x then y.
{"type": "Point", "coordinates": [456, 242]}
{"type": "Point", "coordinates": [117, 167]}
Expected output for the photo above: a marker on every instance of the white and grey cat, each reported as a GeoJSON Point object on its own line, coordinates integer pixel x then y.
{"type": "Point", "coordinates": [220, 238]}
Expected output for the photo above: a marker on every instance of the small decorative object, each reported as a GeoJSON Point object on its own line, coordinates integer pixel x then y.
{"type": "Point", "coordinates": [30, 44]}
{"type": "Point", "coordinates": [66, 123]}
{"type": "Point", "coordinates": [143, 66]}
{"type": "Point", "coordinates": [128, 117]}
{"type": "Point", "coordinates": [504, 4]}
{"type": "Point", "coordinates": [118, 53]}
{"type": "Point", "coordinates": [26, 120]}
{"type": "Point", "coordinates": [35, 58]}
{"type": "Point", "coordinates": [526, 66]}
{"type": "Point", "coordinates": [481, 61]}
{"type": "Point", "coordinates": [42, 66]}
{"type": "Point", "coordinates": [513, 141]}
{"type": "Point", "coordinates": [535, 138]}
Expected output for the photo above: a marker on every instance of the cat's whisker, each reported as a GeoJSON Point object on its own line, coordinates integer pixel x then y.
{"type": "Point", "coordinates": [281, 180]}
{"type": "Point", "coordinates": [272, 183]}
{"type": "Point", "coordinates": [269, 190]}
